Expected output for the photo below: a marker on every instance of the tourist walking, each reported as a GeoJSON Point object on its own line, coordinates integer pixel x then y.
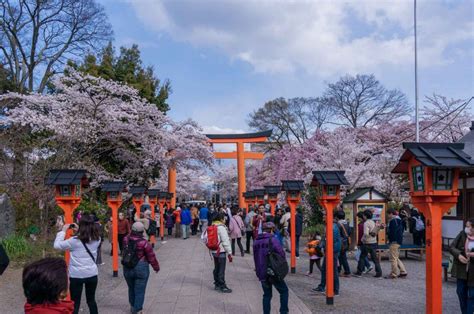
{"type": "Point", "coordinates": [123, 230]}
{"type": "Point", "coordinates": [137, 275]}
{"type": "Point", "coordinates": [98, 260]}
{"type": "Point", "coordinates": [144, 218]}
{"type": "Point", "coordinates": [345, 232]}
{"type": "Point", "coordinates": [336, 250]}
{"type": "Point", "coordinates": [82, 264]}
{"type": "Point", "coordinates": [169, 221]}
{"type": "Point", "coordinates": [237, 228]}
{"type": "Point", "coordinates": [45, 285]}
{"type": "Point", "coordinates": [417, 227]}
{"type": "Point", "coordinates": [186, 221]}
{"type": "Point", "coordinates": [395, 239]}
{"type": "Point", "coordinates": [258, 221]}
{"type": "Point", "coordinates": [369, 245]}
{"type": "Point", "coordinates": [261, 248]}
{"type": "Point", "coordinates": [249, 228]}
{"type": "Point", "coordinates": [195, 219]}
{"type": "Point", "coordinates": [177, 222]}
{"type": "Point", "coordinates": [203, 217]}
{"type": "Point", "coordinates": [314, 251]}
{"type": "Point", "coordinates": [4, 260]}
{"type": "Point", "coordinates": [462, 250]}
{"type": "Point", "coordinates": [284, 221]}
{"type": "Point", "coordinates": [224, 250]}
{"type": "Point", "coordinates": [360, 232]}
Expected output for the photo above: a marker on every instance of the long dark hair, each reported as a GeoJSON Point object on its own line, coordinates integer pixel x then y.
{"type": "Point", "coordinates": [88, 229]}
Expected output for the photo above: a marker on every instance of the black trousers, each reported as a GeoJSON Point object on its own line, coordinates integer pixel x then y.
{"type": "Point", "coordinates": [239, 243]}
{"type": "Point", "coordinates": [248, 235]}
{"type": "Point", "coordinates": [75, 288]}
{"type": "Point", "coordinates": [120, 241]}
{"type": "Point", "coordinates": [311, 264]}
{"type": "Point", "coordinates": [369, 249]}
{"type": "Point", "coordinates": [219, 270]}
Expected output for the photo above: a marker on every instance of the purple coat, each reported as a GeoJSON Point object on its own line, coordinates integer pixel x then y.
{"type": "Point", "coordinates": [260, 251]}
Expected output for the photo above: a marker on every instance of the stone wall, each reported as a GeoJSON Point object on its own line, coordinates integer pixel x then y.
{"type": "Point", "coordinates": [7, 216]}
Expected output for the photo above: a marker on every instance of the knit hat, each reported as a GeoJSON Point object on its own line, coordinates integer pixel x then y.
{"type": "Point", "coordinates": [268, 226]}
{"type": "Point", "coordinates": [138, 227]}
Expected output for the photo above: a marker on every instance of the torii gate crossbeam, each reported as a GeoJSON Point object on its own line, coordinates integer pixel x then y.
{"type": "Point", "coordinates": [241, 155]}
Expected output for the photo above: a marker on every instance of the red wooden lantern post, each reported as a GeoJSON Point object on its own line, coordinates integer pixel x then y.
{"type": "Point", "coordinates": [329, 183]}
{"type": "Point", "coordinates": [272, 196]}
{"type": "Point", "coordinates": [249, 198]}
{"type": "Point", "coordinates": [114, 201]}
{"type": "Point", "coordinates": [433, 171]}
{"type": "Point", "coordinates": [138, 193]}
{"type": "Point", "coordinates": [153, 200]}
{"type": "Point", "coordinates": [68, 188]}
{"type": "Point", "coordinates": [293, 190]}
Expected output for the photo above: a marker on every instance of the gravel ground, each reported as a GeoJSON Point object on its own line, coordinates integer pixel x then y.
{"type": "Point", "coordinates": [372, 295]}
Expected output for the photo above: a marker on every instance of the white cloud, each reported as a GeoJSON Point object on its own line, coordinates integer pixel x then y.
{"type": "Point", "coordinates": [320, 37]}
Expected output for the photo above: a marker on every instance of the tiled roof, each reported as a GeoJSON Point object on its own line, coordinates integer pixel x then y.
{"type": "Point", "coordinates": [354, 196]}
{"type": "Point", "coordinates": [65, 176]}
{"type": "Point", "coordinates": [292, 185]}
{"type": "Point", "coordinates": [137, 189]}
{"type": "Point", "coordinates": [267, 133]}
{"type": "Point", "coordinates": [330, 177]}
{"type": "Point", "coordinates": [272, 189]}
{"type": "Point", "coordinates": [438, 155]}
{"type": "Point", "coordinates": [113, 186]}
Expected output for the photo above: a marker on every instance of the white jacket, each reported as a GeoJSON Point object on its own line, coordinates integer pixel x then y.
{"type": "Point", "coordinates": [81, 264]}
{"type": "Point", "coordinates": [223, 238]}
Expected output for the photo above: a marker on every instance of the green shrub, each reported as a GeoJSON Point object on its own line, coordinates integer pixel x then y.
{"type": "Point", "coordinates": [17, 247]}
{"type": "Point", "coordinates": [310, 230]}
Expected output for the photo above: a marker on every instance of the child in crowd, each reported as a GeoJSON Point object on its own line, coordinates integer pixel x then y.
{"type": "Point", "coordinates": [315, 254]}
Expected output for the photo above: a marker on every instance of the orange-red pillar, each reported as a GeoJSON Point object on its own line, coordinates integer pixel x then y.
{"type": "Point", "coordinates": [272, 206]}
{"type": "Point", "coordinates": [172, 183]}
{"type": "Point", "coordinates": [114, 206]}
{"type": "Point", "coordinates": [329, 256]}
{"type": "Point", "coordinates": [138, 205]}
{"type": "Point", "coordinates": [292, 205]}
{"type": "Point", "coordinates": [68, 207]}
{"type": "Point", "coordinates": [241, 173]}
{"type": "Point", "coordinates": [434, 296]}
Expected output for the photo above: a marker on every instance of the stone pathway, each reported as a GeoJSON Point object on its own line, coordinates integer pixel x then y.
{"type": "Point", "coordinates": [185, 285]}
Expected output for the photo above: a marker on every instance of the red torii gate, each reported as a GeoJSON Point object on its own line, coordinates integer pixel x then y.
{"type": "Point", "coordinates": [241, 155]}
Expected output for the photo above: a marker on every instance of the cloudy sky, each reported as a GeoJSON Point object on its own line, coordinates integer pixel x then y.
{"type": "Point", "coordinates": [225, 58]}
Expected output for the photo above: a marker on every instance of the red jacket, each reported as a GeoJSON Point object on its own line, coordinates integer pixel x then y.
{"type": "Point", "coordinates": [144, 250]}
{"type": "Point", "coordinates": [63, 307]}
{"type": "Point", "coordinates": [123, 226]}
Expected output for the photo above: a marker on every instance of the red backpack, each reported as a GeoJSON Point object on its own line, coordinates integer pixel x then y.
{"type": "Point", "coordinates": [212, 238]}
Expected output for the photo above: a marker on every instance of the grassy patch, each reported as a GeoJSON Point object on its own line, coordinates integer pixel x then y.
{"type": "Point", "coordinates": [22, 250]}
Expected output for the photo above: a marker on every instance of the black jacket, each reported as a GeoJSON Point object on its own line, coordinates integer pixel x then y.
{"type": "Point", "coordinates": [299, 224]}
{"type": "Point", "coordinates": [4, 260]}
{"type": "Point", "coordinates": [459, 271]}
{"type": "Point", "coordinates": [395, 230]}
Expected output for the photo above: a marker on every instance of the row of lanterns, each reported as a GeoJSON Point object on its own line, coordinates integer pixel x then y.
{"type": "Point", "coordinates": [69, 184]}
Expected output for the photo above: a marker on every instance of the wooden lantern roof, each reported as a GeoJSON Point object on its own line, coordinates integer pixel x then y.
{"type": "Point", "coordinates": [66, 177]}
{"type": "Point", "coordinates": [272, 189]}
{"type": "Point", "coordinates": [328, 177]}
{"type": "Point", "coordinates": [436, 155]}
{"type": "Point", "coordinates": [114, 186]}
{"type": "Point", "coordinates": [137, 190]}
{"type": "Point", "coordinates": [259, 192]}
{"type": "Point", "coordinates": [292, 185]}
{"type": "Point", "coordinates": [249, 194]}
{"type": "Point", "coordinates": [153, 192]}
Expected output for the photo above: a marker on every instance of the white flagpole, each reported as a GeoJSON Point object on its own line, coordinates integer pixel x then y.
{"type": "Point", "coordinates": [417, 125]}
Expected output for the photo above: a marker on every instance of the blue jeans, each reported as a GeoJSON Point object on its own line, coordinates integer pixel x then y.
{"type": "Point", "coordinates": [137, 279]}
{"type": "Point", "coordinates": [322, 285]}
{"type": "Point", "coordinates": [282, 289]}
{"type": "Point", "coordinates": [466, 296]}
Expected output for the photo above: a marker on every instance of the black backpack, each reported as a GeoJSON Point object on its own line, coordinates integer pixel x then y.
{"type": "Point", "coordinates": [129, 255]}
{"type": "Point", "coordinates": [277, 266]}
{"type": "Point", "coordinates": [152, 227]}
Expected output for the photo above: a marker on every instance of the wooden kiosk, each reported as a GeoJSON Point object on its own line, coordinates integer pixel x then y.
{"type": "Point", "coordinates": [360, 200]}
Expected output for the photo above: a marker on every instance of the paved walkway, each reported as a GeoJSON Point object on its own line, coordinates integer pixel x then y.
{"type": "Point", "coordinates": [185, 285]}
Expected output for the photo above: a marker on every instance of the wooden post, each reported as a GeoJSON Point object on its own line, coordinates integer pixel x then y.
{"type": "Point", "coordinates": [114, 206]}
{"type": "Point", "coordinates": [292, 205]}
{"type": "Point", "coordinates": [241, 173]}
{"type": "Point", "coordinates": [329, 208]}
{"type": "Point", "coordinates": [172, 184]}
{"type": "Point", "coordinates": [68, 207]}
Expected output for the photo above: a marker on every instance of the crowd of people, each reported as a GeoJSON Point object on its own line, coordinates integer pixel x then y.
{"type": "Point", "coordinates": [221, 228]}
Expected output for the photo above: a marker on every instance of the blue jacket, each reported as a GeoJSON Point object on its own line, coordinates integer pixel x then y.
{"type": "Point", "coordinates": [203, 213]}
{"type": "Point", "coordinates": [395, 230]}
{"type": "Point", "coordinates": [260, 251]}
{"type": "Point", "coordinates": [337, 241]}
{"type": "Point", "coordinates": [186, 217]}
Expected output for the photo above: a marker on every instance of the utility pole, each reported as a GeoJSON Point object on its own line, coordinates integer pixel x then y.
{"type": "Point", "coordinates": [417, 124]}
